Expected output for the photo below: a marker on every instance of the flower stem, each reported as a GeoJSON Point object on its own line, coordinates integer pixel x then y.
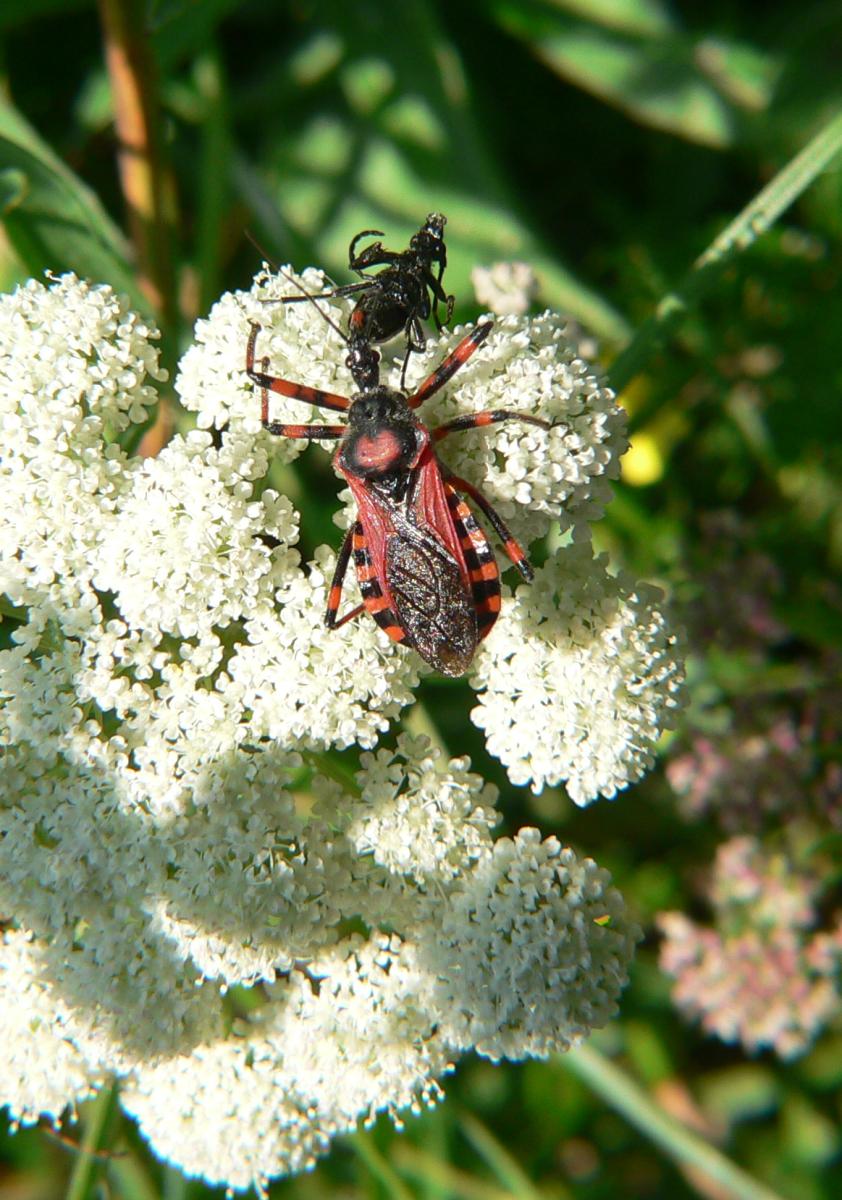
{"type": "Point", "coordinates": [755, 219]}
{"type": "Point", "coordinates": [686, 1149]}
{"type": "Point", "coordinates": [366, 1150]}
{"type": "Point", "coordinates": [146, 182]}
{"type": "Point", "coordinates": [418, 721]}
{"type": "Point", "coordinates": [505, 1167]}
{"type": "Point", "coordinates": [145, 178]}
{"type": "Point", "coordinates": [97, 1111]}
{"type": "Point", "coordinates": [430, 1171]}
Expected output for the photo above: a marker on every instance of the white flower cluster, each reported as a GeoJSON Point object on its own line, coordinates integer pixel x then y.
{"type": "Point", "coordinates": [171, 823]}
{"type": "Point", "coordinates": [588, 664]}
{"type": "Point", "coordinates": [505, 287]}
{"type": "Point", "coordinates": [408, 825]}
{"type": "Point", "coordinates": [534, 477]}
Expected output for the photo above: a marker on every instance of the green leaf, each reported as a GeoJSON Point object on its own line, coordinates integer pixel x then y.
{"type": "Point", "coordinates": [53, 220]}
{"type": "Point", "coordinates": [625, 1095]}
{"type": "Point", "coordinates": [741, 1092]}
{"type": "Point", "coordinates": [755, 219]}
{"type": "Point", "coordinates": [181, 28]}
{"type": "Point", "coordinates": [13, 184]}
{"type": "Point", "coordinates": [404, 142]}
{"type": "Point", "coordinates": [632, 16]}
{"type": "Point", "coordinates": [504, 1166]}
{"type": "Point", "coordinates": [657, 75]}
{"type": "Point", "coordinates": [317, 201]}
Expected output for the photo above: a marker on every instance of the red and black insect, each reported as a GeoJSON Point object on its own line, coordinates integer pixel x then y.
{"type": "Point", "coordinates": [425, 567]}
{"type": "Point", "coordinates": [404, 293]}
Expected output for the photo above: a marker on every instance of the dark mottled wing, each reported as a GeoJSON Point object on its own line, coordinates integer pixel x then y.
{"type": "Point", "coordinates": [431, 601]}
{"type": "Point", "coordinates": [419, 563]}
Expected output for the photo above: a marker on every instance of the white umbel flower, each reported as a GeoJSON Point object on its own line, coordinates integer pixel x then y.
{"type": "Point", "coordinates": [41, 1070]}
{"type": "Point", "coordinates": [530, 951]}
{"type": "Point", "coordinates": [413, 819]}
{"type": "Point", "coordinates": [505, 287]}
{"type": "Point", "coordinates": [532, 476]}
{"type": "Point", "coordinates": [588, 664]}
{"type": "Point", "coordinates": [170, 824]}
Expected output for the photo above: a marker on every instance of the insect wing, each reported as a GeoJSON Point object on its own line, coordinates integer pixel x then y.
{"type": "Point", "coordinates": [441, 507]}
{"type": "Point", "coordinates": [414, 576]}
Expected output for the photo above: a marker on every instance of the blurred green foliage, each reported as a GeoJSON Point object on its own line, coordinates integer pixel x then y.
{"type": "Point", "coordinates": [606, 143]}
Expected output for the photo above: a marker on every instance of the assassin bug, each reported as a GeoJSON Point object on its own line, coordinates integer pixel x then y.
{"type": "Point", "coordinates": [426, 569]}
{"type": "Point", "coordinates": [397, 298]}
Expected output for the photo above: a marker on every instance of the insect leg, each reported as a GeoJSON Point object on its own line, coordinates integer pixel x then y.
{"type": "Point", "coordinates": [439, 297]}
{"type": "Point", "coordinates": [416, 340]}
{"type": "Point", "coordinates": [349, 616]}
{"type": "Point", "coordinates": [287, 429]}
{"type": "Point", "coordinates": [415, 330]}
{"type": "Point", "coordinates": [511, 546]}
{"type": "Point", "coordinates": [313, 433]}
{"type": "Point", "coordinates": [284, 387]}
{"type": "Point", "coordinates": [358, 238]}
{"type": "Point", "coordinates": [374, 255]}
{"type": "Point", "coordinates": [480, 419]}
{"type": "Point", "coordinates": [446, 370]}
{"type": "Point", "coordinates": [405, 365]}
{"type": "Point", "coordinates": [346, 289]}
{"type": "Point", "coordinates": [335, 593]}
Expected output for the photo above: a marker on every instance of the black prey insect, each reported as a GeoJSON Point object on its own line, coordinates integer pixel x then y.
{"type": "Point", "coordinates": [407, 290]}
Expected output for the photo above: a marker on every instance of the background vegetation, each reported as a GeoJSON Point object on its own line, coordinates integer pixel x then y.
{"type": "Point", "coordinates": [608, 144]}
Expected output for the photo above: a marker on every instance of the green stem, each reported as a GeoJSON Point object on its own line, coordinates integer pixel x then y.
{"type": "Point", "coordinates": [97, 1112]}
{"type": "Point", "coordinates": [145, 177]}
{"type": "Point", "coordinates": [430, 1171]}
{"type": "Point", "coordinates": [755, 219]}
{"type": "Point", "coordinates": [362, 1143]}
{"type": "Point", "coordinates": [507, 1170]}
{"type": "Point", "coordinates": [320, 760]}
{"type": "Point", "coordinates": [686, 1149]}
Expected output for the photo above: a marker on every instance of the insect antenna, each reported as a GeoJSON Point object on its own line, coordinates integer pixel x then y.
{"type": "Point", "coordinates": [363, 361]}
{"type": "Point", "coordinates": [305, 295]}
{"type": "Point", "coordinates": [264, 254]}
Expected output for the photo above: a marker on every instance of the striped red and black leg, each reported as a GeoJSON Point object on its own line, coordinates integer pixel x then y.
{"type": "Point", "coordinates": [374, 600]}
{"type": "Point", "coordinates": [446, 370]}
{"type": "Point", "coordinates": [324, 433]}
{"type": "Point", "coordinates": [479, 420]}
{"type": "Point", "coordinates": [313, 433]}
{"type": "Point", "coordinates": [285, 387]}
{"type": "Point", "coordinates": [511, 546]}
{"type": "Point", "coordinates": [483, 572]}
{"type": "Point", "coordinates": [334, 596]}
